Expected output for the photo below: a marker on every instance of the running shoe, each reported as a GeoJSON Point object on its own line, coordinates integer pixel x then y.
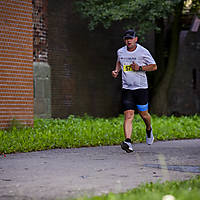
{"type": "Point", "coordinates": [127, 146]}
{"type": "Point", "coordinates": [149, 137]}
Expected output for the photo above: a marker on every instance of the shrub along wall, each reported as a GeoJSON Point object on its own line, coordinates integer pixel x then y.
{"type": "Point", "coordinates": [16, 62]}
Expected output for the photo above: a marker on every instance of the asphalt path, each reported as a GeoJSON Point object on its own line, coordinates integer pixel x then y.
{"type": "Point", "coordinates": [67, 173]}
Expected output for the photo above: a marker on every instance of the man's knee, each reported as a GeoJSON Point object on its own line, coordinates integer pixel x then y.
{"type": "Point", "coordinates": [129, 114]}
{"type": "Point", "coordinates": [145, 115]}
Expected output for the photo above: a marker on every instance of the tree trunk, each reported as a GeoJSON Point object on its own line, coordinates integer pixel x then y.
{"type": "Point", "coordinates": [160, 99]}
{"type": "Point", "coordinates": [160, 56]}
{"type": "Point", "coordinates": [160, 51]}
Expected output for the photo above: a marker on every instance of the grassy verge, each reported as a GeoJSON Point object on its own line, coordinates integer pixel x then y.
{"type": "Point", "coordinates": [88, 131]}
{"type": "Point", "coordinates": [181, 190]}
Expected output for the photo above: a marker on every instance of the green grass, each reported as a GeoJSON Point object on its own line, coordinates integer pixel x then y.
{"type": "Point", "coordinates": [181, 190]}
{"type": "Point", "coordinates": [88, 131]}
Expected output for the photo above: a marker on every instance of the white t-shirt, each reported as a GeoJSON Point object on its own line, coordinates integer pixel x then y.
{"type": "Point", "coordinates": [134, 79]}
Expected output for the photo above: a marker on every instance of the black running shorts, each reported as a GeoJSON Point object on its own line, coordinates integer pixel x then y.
{"type": "Point", "coordinates": [135, 99]}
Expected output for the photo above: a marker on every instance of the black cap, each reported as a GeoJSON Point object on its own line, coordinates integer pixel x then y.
{"type": "Point", "coordinates": [129, 34]}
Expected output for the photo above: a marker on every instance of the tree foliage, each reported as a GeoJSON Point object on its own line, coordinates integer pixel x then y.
{"type": "Point", "coordinates": [142, 14]}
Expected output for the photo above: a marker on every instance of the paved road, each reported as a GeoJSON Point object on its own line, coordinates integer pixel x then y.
{"type": "Point", "coordinates": [66, 173]}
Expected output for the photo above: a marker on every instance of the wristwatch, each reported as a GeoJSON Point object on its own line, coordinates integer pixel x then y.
{"type": "Point", "coordinates": [140, 68]}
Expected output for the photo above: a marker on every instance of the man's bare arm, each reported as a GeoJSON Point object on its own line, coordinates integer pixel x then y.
{"type": "Point", "coordinates": [117, 69]}
{"type": "Point", "coordinates": [147, 68]}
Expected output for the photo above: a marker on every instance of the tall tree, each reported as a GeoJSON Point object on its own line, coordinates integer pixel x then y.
{"type": "Point", "coordinates": [161, 16]}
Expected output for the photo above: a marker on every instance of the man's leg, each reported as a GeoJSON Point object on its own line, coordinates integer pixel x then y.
{"type": "Point", "coordinates": [128, 106]}
{"type": "Point", "coordinates": [147, 120]}
{"type": "Point", "coordinates": [128, 118]}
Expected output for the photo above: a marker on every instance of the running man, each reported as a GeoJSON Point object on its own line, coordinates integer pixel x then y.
{"type": "Point", "coordinates": [134, 60]}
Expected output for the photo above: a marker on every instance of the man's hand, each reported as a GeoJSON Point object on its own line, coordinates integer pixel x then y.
{"type": "Point", "coordinates": [135, 66]}
{"type": "Point", "coordinates": [115, 73]}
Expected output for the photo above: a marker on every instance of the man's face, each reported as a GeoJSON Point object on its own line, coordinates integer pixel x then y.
{"type": "Point", "coordinates": [130, 42]}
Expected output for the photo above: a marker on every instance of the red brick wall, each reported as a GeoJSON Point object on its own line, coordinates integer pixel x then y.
{"type": "Point", "coordinates": [16, 62]}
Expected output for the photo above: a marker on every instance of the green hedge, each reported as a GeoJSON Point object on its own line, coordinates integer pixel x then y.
{"type": "Point", "coordinates": [88, 131]}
